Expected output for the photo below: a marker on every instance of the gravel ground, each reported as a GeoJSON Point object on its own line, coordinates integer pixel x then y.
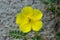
{"type": "Point", "coordinates": [8, 11]}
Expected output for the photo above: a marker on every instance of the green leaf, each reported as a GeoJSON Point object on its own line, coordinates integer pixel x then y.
{"type": "Point", "coordinates": [49, 1]}
{"type": "Point", "coordinates": [37, 38]}
{"type": "Point", "coordinates": [45, 1]}
{"type": "Point", "coordinates": [51, 7]}
{"type": "Point", "coordinates": [53, 1]}
{"type": "Point", "coordinates": [58, 35]}
{"type": "Point", "coordinates": [24, 39]}
{"type": "Point", "coordinates": [15, 34]}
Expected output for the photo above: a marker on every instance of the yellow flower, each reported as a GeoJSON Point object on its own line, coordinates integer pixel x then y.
{"type": "Point", "coordinates": [29, 19]}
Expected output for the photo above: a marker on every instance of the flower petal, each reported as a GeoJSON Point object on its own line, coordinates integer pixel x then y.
{"type": "Point", "coordinates": [37, 15]}
{"type": "Point", "coordinates": [27, 11]}
{"type": "Point", "coordinates": [37, 25]}
{"type": "Point", "coordinates": [25, 28]}
{"type": "Point", "coordinates": [20, 19]}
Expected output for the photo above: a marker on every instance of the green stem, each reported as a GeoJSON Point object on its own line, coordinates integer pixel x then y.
{"type": "Point", "coordinates": [36, 35]}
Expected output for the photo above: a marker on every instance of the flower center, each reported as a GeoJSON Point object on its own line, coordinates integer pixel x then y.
{"type": "Point", "coordinates": [29, 20]}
